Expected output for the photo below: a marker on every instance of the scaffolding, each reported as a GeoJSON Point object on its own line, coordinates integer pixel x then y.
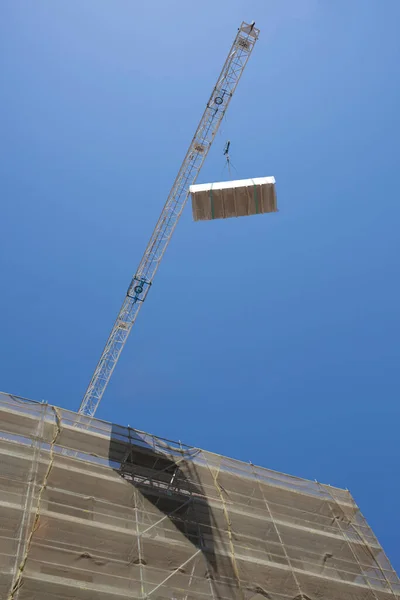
{"type": "Point", "coordinates": [91, 510]}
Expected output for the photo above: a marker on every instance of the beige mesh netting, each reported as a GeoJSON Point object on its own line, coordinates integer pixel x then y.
{"type": "Point", "coordinates": [91, 510]}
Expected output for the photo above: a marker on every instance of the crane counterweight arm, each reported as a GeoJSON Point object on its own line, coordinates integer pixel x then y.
{"type": "Point", "coordinates": [138, 289]}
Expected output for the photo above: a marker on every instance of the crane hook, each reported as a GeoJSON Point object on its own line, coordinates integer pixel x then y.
{"type": "Point", "coordinates": [226, 153]}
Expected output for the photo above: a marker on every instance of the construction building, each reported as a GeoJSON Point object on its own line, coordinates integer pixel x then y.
{"type": "Point", "coordinates": [95, 511]}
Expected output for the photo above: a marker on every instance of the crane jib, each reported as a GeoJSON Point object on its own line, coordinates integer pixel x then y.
{"type": "Point", "coordinates": [200, 145]}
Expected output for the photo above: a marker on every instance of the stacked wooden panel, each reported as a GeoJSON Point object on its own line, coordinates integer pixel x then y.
{"type": "Point", "coordinates": [227, 199]}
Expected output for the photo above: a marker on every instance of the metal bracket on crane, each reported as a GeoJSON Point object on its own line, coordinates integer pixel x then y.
{"type": "Point", "coordinates": [138, 289]}
{"type": "Point", "coordinates": [218, 100]}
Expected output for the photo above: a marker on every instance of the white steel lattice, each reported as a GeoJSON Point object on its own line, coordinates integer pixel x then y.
{"type": "Point", "coordinates": [216, 107]}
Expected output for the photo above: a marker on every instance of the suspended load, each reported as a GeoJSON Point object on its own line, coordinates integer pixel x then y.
{"type": "Point", "coordinates": [233, 198]}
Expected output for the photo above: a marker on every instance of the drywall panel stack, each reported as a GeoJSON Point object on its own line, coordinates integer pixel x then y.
{"type": "Point", "coordinates": [91, 510]}
{"type": "Point", "coordinates": [240, 198]}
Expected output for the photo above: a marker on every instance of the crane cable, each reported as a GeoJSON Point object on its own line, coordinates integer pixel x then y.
{"type": "Point", "coordinates": [229, 163]}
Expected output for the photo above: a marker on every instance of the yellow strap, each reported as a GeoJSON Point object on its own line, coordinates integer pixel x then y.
{"type": "Point", "coordinates": [18, 579]}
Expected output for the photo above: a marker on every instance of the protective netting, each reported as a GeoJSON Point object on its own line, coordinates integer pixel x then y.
{"type": "Point", "coordinates": [91, 510]}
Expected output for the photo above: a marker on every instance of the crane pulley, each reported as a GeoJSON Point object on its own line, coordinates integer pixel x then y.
{"type": "Point", "coordinates": [140, 284]}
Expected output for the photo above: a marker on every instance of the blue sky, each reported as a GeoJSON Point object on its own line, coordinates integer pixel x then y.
{"type": "Point", "coordinates": [274, 338]}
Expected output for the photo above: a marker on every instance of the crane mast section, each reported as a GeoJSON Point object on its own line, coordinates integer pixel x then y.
{"type": "Point", "coordinates": [201, 143]}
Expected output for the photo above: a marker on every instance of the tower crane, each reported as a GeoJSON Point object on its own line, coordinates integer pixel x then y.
{"type": "Point", "coordinates": [142, 280]}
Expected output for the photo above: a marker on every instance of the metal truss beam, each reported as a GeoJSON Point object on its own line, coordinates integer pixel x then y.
{"type": "Point", "coordinates": [201, 143]}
